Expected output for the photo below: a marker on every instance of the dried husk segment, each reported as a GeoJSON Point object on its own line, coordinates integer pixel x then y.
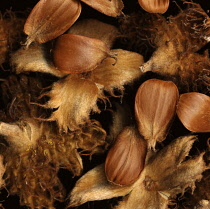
{"type": "Point", "coordinates": [113, 73]}
{"type": "Point", "coordinates": [73, 98]}
{"type": "Point", "coordinates": [50, 18]}
{"type": "Point", "coordinates": [155, 107]}
{"type": "Point", "coordinates": [77, 54]}
{"type": "Point", "coordinates": [194, 111]}
{"type": "Point", "coordinates": [125, 159]}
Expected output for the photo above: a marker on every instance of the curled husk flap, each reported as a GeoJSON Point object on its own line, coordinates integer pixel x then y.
{"type": "Point", "coordinates": [50, 18]}
{"type": "Point", "coordinates": [95, 29]}
{"type": "Point", "coordinates": [166, 174]}
{"type": "Point", "coordinates": [194, 111]}
{"type": "Point", "coordinates": [35, 59]}
{"type": "Point", "coordinates": [74, 99]}
{"type": "Point", "coordinates": [155, 107]}
{"type": "Point", "coordinates": [77, 54]}
{"type": "Point", "coordinates": [95, 186]}
{"type": "Point", "coordinates": [125, 159]}
{"type": "Point", "coordinates": [108, 7]}
{"type": "Point", "coordinates": [114, 73]}
{"type": "Point", "coordinates": [154, 6]}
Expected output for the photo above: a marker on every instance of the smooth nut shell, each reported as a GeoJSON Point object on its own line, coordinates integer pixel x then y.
{"type": "Point", "coordinates": [155, 107]}
{"type": "Point", "coordinates": [51, 18]}
{"type": "Point", "coordinates": [126, 158]}
{"type": "Point", "coordinates": [194, 111]}
{"type": "Point", "coordinates": [108, 7]}
{"type": "Point", "coordinates": [77, 54]}
{"type": "Point", "coordinates": [154, 6]}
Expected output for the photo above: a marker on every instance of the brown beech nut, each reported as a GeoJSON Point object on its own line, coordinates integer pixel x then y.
{"type": "Point", "coordinates": [126, 158]}
{"type": "Point", "coordinates": [154, 6]}
{"type": "Point", "coordinates": [77, 54]}
{"type": "Point", "coordinates": [193, 111]}
{"type": "Point", "coordinates": [50, 18]}
{"type": "Point", "coordinates": [155, 107]}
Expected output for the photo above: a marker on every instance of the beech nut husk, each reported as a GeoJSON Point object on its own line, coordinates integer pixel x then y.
{"type": "Point", "coordinates": [126, 158]}
{"type": "Point", "coordinates": [193, 111]}
{"type": "Point", "coordinates": [155, 107]}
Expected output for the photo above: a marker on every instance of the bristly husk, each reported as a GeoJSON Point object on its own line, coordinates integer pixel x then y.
{"type": "Point", "coordinates": [36, 150]}
{"type": "Point", "coordinates": [176, 54]}
{"type": "Point", "coordinates": [10, 33]}
{"type": "Point", "coordinates": [122, 70]}
{"type": "Point", "coordinates": [166, 174]}
{"type": "Point", "coordinates": [35, 58]}
{"type": "Point", "coordinates": [75, 97]}
{"type": "Point", "coordinates": [32, 173]}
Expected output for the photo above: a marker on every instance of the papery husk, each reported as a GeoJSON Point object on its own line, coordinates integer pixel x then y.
{"type": "Point", "coordinates": [50, 18]}
{"type": "Point", "coordinates": [155, 108]}
{"type": "Point", "coordinates": [125, 159]}
{"type": "Point", "coordinates": [74, 98]}
{"type": "Point", "coordinates": [166, 174]}
{"type": "Point", "coordinates": [77, 54]}
{"type": "Point", "coordinates": [10, 33]}
{"type": "Point", "coordinates": [95, 186]}
{"type": "Point", "coordinates": [108, 7]}
{"type": "Point", "coordinates": [35, 58]}
{"type": "Point", "coordinates": [96, 29]}
{"type": "Point", "coordinates": [114, 73]}
{"type": "Point", "coordinates": [194, 111]}
{"type": "Point", "coordinates": [154, 6]}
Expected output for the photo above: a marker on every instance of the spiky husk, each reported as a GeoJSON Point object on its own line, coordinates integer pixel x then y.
{"type": "Point", "coordinates": [33, 173]}
{"type": "Point", "coordinates": [176, 41]}
{"type": "Point", "coordinates": [32, 165]}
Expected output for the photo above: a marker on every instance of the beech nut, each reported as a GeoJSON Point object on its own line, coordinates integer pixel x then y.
{"type": "Point", "coordinates": [125, 160]}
